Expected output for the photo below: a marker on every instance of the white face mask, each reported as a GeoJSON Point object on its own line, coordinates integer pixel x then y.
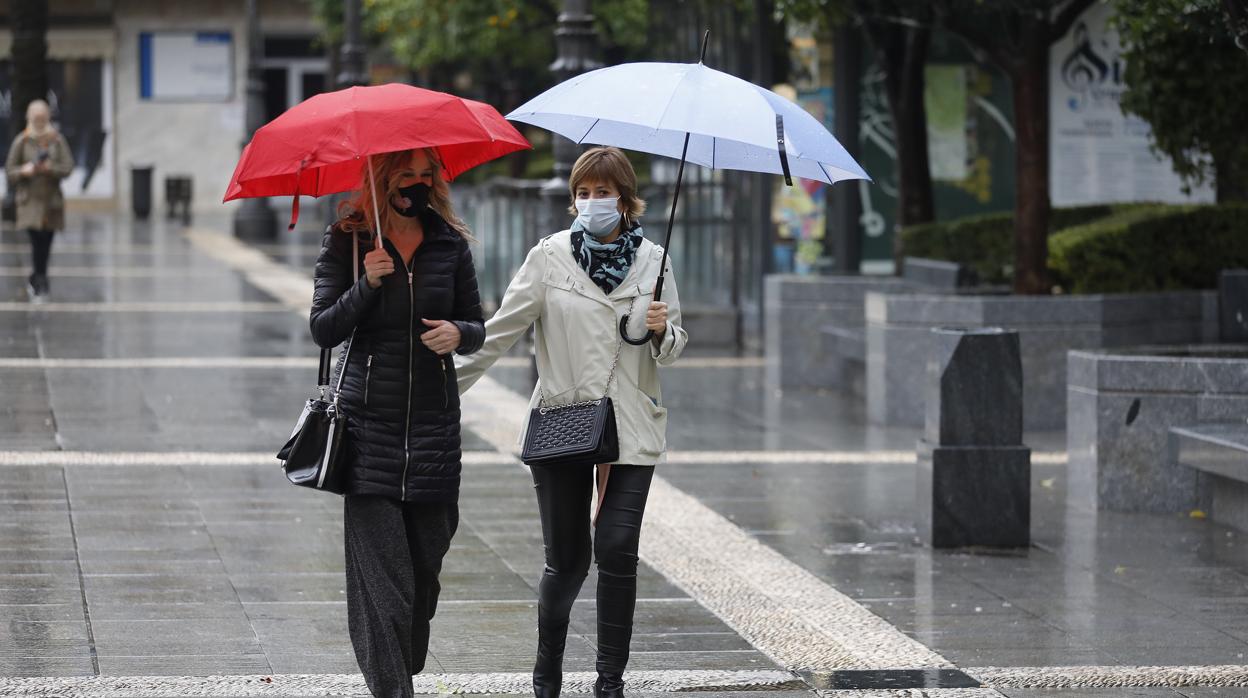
{"type": "Point", "coordinates": [598, 217]}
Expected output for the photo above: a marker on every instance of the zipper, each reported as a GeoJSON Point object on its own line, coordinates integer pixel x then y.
{"type": "Point", "coordinates": [368, 375]}
{"type": "Point", "coordinates": [407, 428]}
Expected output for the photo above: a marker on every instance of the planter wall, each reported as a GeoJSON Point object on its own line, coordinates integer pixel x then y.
{"type": "Point", "coordinates": [1121, 406]}
{"type": "Point", "coordinates": [898, 334]}
{"type": "Point", "coordinates": [813, 328]}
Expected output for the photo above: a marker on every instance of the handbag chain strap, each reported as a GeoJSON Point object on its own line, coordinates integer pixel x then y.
{"type": "Point", "coordinates": [543, 409]}
{"type": "Point", "coordinates": [346, 351]}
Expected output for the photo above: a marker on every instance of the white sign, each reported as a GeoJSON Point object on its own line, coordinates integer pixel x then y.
{"type": "Point", "coordinates": [186, 66]}
{"type": "Point", "coordinates": [1098, 154]}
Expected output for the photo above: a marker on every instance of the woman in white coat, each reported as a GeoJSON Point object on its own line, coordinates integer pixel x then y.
{"type": "Point", "coordinates": [572, 289]}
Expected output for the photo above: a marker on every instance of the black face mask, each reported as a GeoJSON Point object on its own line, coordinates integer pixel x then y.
{"type": "Point", "coordinates": [418, 195]}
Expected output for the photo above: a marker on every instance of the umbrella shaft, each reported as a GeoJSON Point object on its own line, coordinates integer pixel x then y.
{"type": "Point", "coordinates": [671, 219]}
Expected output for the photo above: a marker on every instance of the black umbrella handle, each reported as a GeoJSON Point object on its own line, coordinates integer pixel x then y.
{"type": "Point", "coordinates": [658, 293]}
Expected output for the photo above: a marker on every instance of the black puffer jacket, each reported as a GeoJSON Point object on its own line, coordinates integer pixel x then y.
{"type": "Point", "coordinates": [400, 398]}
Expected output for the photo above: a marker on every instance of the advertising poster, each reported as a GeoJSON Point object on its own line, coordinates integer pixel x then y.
{"type": "Point", "coordinates": [1098, 154]}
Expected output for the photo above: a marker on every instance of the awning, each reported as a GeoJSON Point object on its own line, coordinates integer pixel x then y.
{"type": "Point", "coordinates": [70, 43]}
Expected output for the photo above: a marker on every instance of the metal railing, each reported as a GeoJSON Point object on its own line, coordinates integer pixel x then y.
{"type": "Point", "coordinates": [709, 241]}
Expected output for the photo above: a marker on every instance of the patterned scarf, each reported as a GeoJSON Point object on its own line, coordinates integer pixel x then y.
{"type": "Point", "coordinates": [607, 263]}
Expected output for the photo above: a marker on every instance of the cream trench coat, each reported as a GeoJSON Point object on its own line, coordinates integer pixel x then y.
{"type": "Point", "coordinates": [577, 331]}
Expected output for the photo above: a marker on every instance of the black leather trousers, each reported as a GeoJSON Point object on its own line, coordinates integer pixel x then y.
{"type": "Point", "coordinates": [564, 497]}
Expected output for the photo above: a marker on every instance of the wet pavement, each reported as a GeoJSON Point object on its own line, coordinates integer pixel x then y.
{"type": "Point", "coordinates": [143, 532]}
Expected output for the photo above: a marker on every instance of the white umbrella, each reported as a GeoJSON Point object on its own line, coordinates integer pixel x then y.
{"type": "Point", "coordinates": [694, 113]}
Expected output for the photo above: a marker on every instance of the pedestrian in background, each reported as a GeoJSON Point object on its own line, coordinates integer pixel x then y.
{"type": "Point", "coordinates": [399, 395]}
{"type": "Point", "coordinates": [39, 159]}
{"type": "Point", "coordinates": [572, 289]}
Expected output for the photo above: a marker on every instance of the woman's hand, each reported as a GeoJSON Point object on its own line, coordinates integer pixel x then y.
{"type": "Point", "coordinates": [377, 264]}
{"type": "Point", "coordinates": [656, 318]}
{"type": "Point", "coordinates": [443, 338]}
{"type": "Point", "coordinates": [28, 169]}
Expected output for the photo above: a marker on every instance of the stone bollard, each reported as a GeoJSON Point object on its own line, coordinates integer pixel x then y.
{"type": "Point", "coordinates": [974, 474]}
{"type": "Point", "coordinates": [1233, 305]}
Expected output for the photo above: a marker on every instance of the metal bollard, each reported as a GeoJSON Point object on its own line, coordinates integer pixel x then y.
{"type": "Point", "coordinates": [974, 473]}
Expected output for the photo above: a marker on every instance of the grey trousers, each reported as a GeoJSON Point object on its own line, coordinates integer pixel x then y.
{"type": "Point", "coordinates": [394, 553]}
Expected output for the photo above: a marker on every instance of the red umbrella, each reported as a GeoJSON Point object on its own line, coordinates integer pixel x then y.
{"type": "Point", "coordinates": [320, 145]}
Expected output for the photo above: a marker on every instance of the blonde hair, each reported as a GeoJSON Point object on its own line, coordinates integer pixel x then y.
{"type": "Point", "coordinates": [611, 165]}
{"type": "Point", "coordinates": [38, 105]}
{"type": "Point", "coordinates": [356, 214]}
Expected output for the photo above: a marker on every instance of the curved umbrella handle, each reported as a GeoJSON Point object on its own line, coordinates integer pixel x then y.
{"type": "Point", "coordinates": [658, 293]}
{"type": "Point", "coordinates": [635, 342]}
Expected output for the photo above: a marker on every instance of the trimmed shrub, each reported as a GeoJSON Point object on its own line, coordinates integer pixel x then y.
{"type": "Point", "coordinates": [985, 242]}
{"type": "Point", "coordinates": [1151, 248]}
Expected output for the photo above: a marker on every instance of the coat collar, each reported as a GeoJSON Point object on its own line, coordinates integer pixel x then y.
{"type": "Point", "coordinates": [636, 281]}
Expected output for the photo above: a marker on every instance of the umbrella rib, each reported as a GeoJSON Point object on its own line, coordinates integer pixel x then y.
{"type": "Point", "coordinates": [585, 135]}
{"type": "Point", "coordinates": [670, 99]}
{"type": "Point", "coordinates": [825, 172]}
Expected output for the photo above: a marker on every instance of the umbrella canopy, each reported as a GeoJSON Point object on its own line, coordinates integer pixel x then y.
{"type": "Point", "coordinates": [732, 124]}
{"type": "Point", "coordinates": [320, 145]}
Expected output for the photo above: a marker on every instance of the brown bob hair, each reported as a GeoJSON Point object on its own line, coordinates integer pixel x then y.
{"type": "Point", "coordinates": [356, 214]}
{"type": "Point", "coordinates": [608, 164]}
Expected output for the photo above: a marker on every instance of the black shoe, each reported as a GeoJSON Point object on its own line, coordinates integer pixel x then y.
{"type": "Point", "coordinates": [44, 286]}
{"type": "Point", "coordinates": [609, 685]}
{"type": "Point", "coordinates": [547, 676]}
{"type": "Point", "coordinates": [32, 289]}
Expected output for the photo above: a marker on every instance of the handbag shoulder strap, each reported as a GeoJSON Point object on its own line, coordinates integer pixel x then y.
{"type": "Point", "coordinates": [346, 350]}
{"type": "Point", "coordinates": [541, 394]}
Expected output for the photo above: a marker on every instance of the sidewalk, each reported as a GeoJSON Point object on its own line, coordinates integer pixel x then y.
{"type": "Point", "coordinates": [145, 529]}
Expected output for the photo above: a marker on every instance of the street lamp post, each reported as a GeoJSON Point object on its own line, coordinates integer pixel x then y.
{"type": "Point", "coordinates": [254, 219]}
{"type": "Point", "coordinates": [574, 40]}
{"type": "Point", "coordinates": [354, 71]}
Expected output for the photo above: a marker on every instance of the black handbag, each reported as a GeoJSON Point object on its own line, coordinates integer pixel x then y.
{"type": "Point", "coordinates": [316, 455]}
{"type": "Point", "coordinates": [577, 434]}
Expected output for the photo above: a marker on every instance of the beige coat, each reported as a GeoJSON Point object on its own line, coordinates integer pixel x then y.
{"type": "Point", "coordinates": [576, 329]}
{"type": "Point", "coordinates": [40, 204]}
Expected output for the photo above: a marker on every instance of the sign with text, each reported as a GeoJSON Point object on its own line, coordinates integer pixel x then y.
{"type": "Point", "coordinates": [1097, 153]}
{"type": "Point", "coordinates": [186, 66]}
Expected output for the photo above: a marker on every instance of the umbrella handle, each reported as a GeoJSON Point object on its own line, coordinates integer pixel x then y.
{"type": "Point", "coordinates": [658, 293]}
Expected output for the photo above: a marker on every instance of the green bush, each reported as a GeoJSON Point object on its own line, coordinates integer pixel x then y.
{"type": "Point", "coordinates": [1151, 248]}
{"type": "Point", "coordinates": [985, 242]}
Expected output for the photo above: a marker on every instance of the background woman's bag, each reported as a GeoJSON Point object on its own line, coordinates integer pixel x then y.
{"type": "Point", "coordinates": [317, 453]}
{"type": "Point", "coordinates": [581, 433]}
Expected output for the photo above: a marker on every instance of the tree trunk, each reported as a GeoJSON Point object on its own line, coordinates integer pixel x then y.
{"type": "Point", "coordinates": [904, 54]}
{"type": "Point", "coordinates": [1231, 179]}
{"type": "Point", "coordinates": [1030, 78]}
{"type": "Point", "coordinates": [30, 54]}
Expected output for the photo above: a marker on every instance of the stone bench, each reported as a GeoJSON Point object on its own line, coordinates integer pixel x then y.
{"type": "Point", "coordinates": [846, 348]}
{"type": "Point", "coordinates": [1219, 453]}
{"type": "Point", "coordinates": [938, 274]}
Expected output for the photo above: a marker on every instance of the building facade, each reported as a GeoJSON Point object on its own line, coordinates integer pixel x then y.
{"type": "Point", "coordinates": [161, 84]}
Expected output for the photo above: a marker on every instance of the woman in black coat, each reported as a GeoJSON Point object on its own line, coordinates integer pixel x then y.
{"type": "Point", "coordinates": [401, 401]}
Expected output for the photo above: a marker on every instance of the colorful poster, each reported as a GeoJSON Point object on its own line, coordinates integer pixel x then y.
{"type": "Point", "coordinates": [1098, 154]}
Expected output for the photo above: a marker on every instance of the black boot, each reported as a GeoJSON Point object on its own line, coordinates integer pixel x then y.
{"type": "Point", "coordinates": [548, 670]}
{"type": "Point", "coordinates": [609, 685]}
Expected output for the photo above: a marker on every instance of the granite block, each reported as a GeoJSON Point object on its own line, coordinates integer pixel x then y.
{"type": "Point", "coordinates": [974, 496]}
{"type": "Point", "coordinates": [974, 388]}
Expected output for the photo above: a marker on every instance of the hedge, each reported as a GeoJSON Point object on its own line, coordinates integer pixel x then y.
{"type": "Point", "coordinates": [985, 242]}
{"type": "Point", "coordinates": [1151, 248]}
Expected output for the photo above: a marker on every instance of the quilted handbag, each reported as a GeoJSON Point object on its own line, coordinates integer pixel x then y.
{"type": "Point", "coordinates": [577, 434]}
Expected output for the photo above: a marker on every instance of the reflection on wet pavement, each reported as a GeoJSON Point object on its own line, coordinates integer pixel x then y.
{"type": "Point", "coordinates": [186, 570]}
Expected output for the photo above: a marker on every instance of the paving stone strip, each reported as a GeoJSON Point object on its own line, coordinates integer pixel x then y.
{"type": "Point", "coordinates": [1113, 676]}
{"type": "Point", "coordinates": [249, 458]}
{"type": "Point", "coordinates": [353, 684]}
